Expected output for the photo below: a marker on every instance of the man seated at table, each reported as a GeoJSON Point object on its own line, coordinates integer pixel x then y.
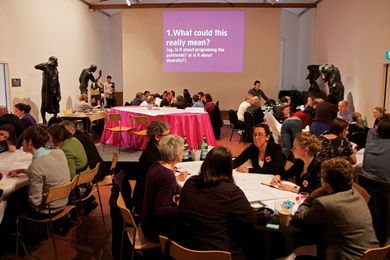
{"type": "Point", "coordinates": [167, 100]}
{"type": "Point", "coordinates": [343, 112]}
{"type": "Point", "coordinates": [342, 215]}
{"type": "Point", "coordinates": [82, 105]}
{"type": "Point", "coordinates": [255, 110]}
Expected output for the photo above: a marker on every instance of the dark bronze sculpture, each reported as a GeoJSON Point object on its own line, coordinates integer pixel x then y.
{"type": "Point", "coordinates": [87, 75]}
{"type": "Point", "coordinates": [50, 93]}
{"type": "Point", "coordinates": [314, 74]}
{"type": "Point", "coordinates": [331, 75]}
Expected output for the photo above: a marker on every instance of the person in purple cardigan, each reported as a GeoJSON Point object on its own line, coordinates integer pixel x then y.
{"type": "Point", "coordinates": [23, 112]}
{"type": "Point", "coordinates": [160, 200]}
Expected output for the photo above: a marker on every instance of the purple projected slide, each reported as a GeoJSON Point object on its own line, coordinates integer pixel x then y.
{"type": "Point", "coordinates": [203, 41]}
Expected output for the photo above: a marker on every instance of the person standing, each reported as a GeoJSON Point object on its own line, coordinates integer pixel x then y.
{"type": "Point", "coordinates": [109, 92]}
{"type": "Point", "coordinates": [256, 91]}
{"type": "Point", "coordinates": [51, 94]}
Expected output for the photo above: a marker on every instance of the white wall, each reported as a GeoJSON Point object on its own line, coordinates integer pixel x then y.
{"type": "Point", "coordinates": [32, 31]}
{"type": "Point", "coordinates": [305, 47]}
{"type": "Point", "coordinates": [353, 37]}
{"type": "Point", "coordinates": [116, 56]}
{"type": "Point", "coordinates": [289, 32]}
{"type": "Point", "coordinates": [143, 67]}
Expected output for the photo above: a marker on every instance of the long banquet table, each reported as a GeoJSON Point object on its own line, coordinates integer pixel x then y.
{"type": "Point", "coordinates": [12, 161]}
{"type": "Point", "coordinates": [192, 123]}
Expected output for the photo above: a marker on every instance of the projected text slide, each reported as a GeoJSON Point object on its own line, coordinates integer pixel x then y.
{"type": "Point", "coordinates": [203, 41]}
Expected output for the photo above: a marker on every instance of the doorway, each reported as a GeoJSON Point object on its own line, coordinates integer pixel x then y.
{"type": "Point", "coordinates": [4, 90]}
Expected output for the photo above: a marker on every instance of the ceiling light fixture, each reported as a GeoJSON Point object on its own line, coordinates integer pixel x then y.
{"type": "Point", "coordinates": [128, 2]}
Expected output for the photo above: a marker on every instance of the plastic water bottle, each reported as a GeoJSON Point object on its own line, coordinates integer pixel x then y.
{"type": "Point", "coordinates": [204, 148]}
{"type": "Point", "coordinates": [365, 121]}
{"type": "Point", "coordinates": [186, 153]}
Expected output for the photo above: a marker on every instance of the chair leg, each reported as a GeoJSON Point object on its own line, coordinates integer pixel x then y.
{"type": "Point", "coordinates": [123, 234]}
{"type": "Point", "coordinates": [231, 135]}
{"type": "Point", "coordinates": [17, 238]}
{"type": "Point", "coordinates": [100, 202]}
{"type": "Point", "coordinates": [54, 242]}
{"type": "Point", "coordinates": [104, 139]}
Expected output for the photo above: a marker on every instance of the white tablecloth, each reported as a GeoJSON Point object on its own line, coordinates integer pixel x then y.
{"type": "Point", "coordinates": [249, 183]}
{"type": "Point", "coordinates": [12, 161]}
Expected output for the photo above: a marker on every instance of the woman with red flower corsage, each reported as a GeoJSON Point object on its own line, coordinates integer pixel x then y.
{"type": "Point", "coordinates": [265, 155]}
{"type": "Point", "coordinates": [306, 168]}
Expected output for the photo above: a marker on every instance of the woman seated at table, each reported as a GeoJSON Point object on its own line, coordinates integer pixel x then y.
{"type": "Point", "coordinates": [157, 130]}
{"type": "Point", "coordinates": [48, 169]}
{"type": "Point", "coordinates": [306, 168]}
{"type": "Point", "coordinates": [209, 105]}
{"type": "Point", "coordinates": [73, 149]}
{"type": "Point", "coordinates": [7, 138]}
{"type": "Point", "coordinates": [340, 213]}
{"type": "Point", "coordinates": [160, 201]}
{"type": "Point", "coordinates": [265, 155]}
{"type": "Point", "coordinates": [214, 213]}
{"type": "Point", "coordinates": [335, 142]}
{"type": "Point", "coordinates": [23, 112]}
{"type": "Point", "coordinates": [282, 112]}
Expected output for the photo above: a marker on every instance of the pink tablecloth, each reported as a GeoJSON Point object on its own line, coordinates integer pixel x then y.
{"type": "Point", "coordinates": [193, 124]}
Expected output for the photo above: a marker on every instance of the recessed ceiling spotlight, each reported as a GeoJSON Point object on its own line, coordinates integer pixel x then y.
{"type": "Point", "coordinates": [128, 2]}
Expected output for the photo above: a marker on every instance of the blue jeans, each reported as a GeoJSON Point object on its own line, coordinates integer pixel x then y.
{"type": "Point", "coordinates": [290, 129]}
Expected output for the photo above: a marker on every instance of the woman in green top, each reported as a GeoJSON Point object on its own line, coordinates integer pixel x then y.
{"type": "Point", "coordinates": [73, 149]}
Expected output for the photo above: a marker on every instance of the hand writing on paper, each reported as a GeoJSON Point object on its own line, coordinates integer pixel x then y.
{"type": "Point", "coordinates": [288, 187]}
{"type": "Point", "coordinates": [276, 180]}
{"type": "Point", "coordinates": [13, 173]}
{"type": "Point", "coordinates": [242, 169]}
{"type": "Point", "coordinates": [182, 176]}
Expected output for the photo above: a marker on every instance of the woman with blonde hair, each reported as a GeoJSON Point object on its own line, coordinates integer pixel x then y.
{"type": "Point", "coordinates": [306, 167]}
{"type": "Point", "coordinates": [160, 200]}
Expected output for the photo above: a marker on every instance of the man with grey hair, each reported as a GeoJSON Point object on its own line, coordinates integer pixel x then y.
{"type": "Point", "coordinates": [157, 130]}
{"type": "Point", "coordinates": [255, 110]}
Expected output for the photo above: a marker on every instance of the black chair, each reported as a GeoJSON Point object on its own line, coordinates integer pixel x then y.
{"type": "Point", "coordinates": [379, 205]}
{"type": "Point", "coordinates": [216, 120]}
{"type": "Point", "coordinates": [358, 138]}
{"type": "Point", "coordinates": [235, 124]}
{"type": "Point", "coordinates": [249, 122]}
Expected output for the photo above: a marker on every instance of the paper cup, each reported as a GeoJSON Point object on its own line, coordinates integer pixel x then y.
{"type": "Point", "coordinates": [284, 217]}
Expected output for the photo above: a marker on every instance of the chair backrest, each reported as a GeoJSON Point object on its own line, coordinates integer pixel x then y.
{"type": "Point", "coordinates": [233, 118]}
{"type": "Point", "coordinates": [362, 192]}
{"type": "Point", "coordinates": [114, 117]}
{"type": "Point", "coordinates": [249, 120]}
{"type": "Point", "coordinates": [114, 161]}
{"type": "Point", "coordinates": [179, 252]}
{"type": "Point", "coordinates": [87, 176]}
{"type": "Point", "coordinates": [120, 184]}
{"type": "Point", "coordinates": [126, 214]}
{"type": "Point", "coordinates": [60, 192]}
{"type": "Point", "coordinates": [139, 120]}
{"type": "Point", "coordinates": [376, 253]}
